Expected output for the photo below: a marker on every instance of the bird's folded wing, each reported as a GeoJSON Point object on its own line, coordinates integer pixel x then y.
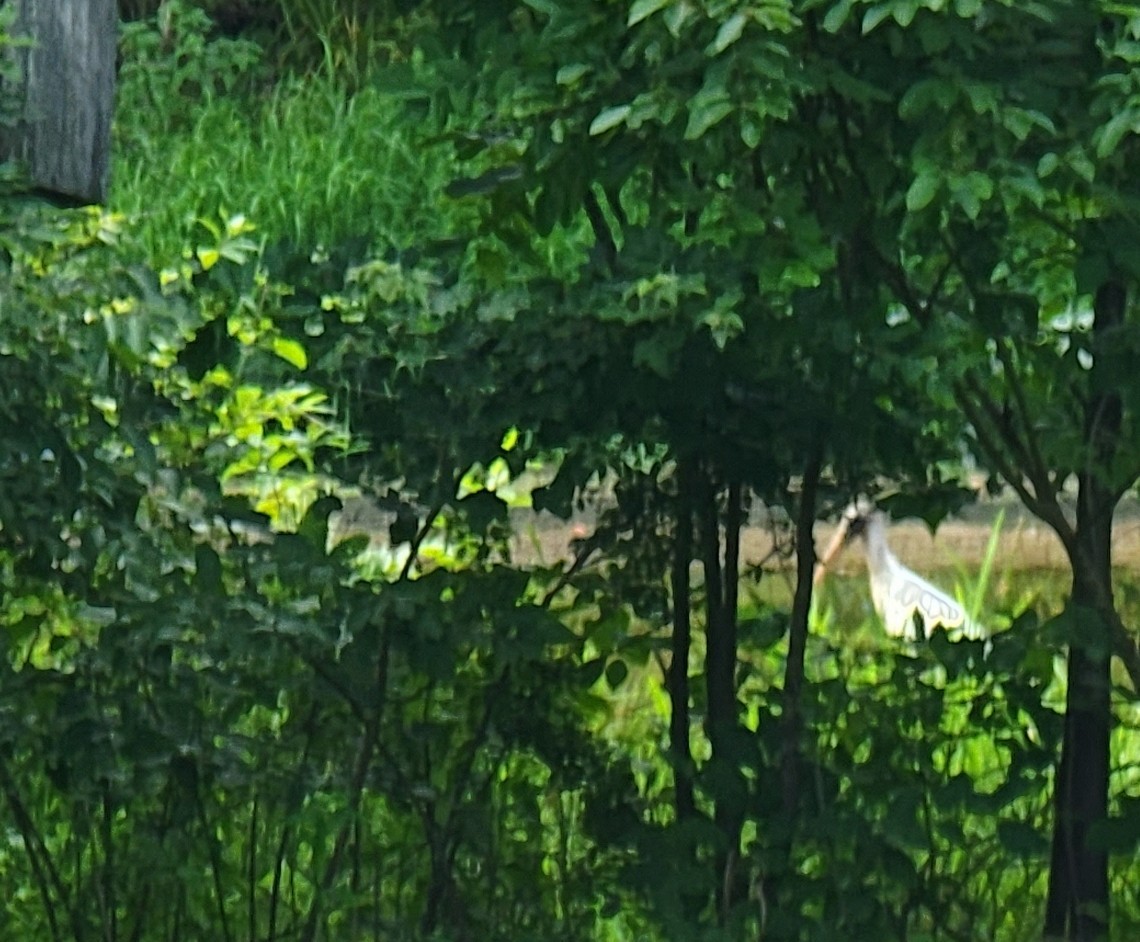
{"type": "Point", "coordinates": [910, 593]}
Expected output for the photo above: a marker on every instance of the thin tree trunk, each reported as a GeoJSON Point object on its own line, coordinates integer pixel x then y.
{"type": "Point", "coordinates": [720, 673]}
{"type": "Point", "coordinates": [366, 750]}
{"type": "Point", "coordinates": [1077, 904]}
{"type": "Point", "coordinates": [252, 870]}
{"type": "Point", "coordinates": [109, 878]}
{"type": "Point", "coordinates": [1077, 907]}
{"type": "Point", "coordinates": [44, 871]}
{"type": "Point", "coordinates": [797, 635]}
{"type": "Point", "coordinates": [720, 644]}
{"type": "Point", "coordinates": [681, 642]}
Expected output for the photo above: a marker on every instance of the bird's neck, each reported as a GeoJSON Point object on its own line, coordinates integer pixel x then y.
{"type": "Point", "coordinates": [876, 535]}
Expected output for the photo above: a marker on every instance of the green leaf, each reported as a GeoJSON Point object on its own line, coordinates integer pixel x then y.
{"type": "Point", "coordinates": [1092, 269]}
{"type": "Point", "coordinates": [1079, 626]}
{"type": "Point", "coordinates": [901, 823]}
{"type": "Point", "coordinates": [643, 9]}
{"type": "Point", "coordinates": [570, 74]}
{"type": "Point", "coordinates": [918, 100]}
{"type": "Point", "coordinates": [1120, 834]}
{"type": "Point", "coordinates": [1047, 164]}
{"type": "Point", "coordinates": [610, 118]}
{"type": "Point", "coordinates": [874, 16]}
{"type": "Point", "coordinates": [591, 671]}
{"type": "Point", "coordinates": [549, 206]}
{"type": "Point", "coordinates": [765, 630]}
{"type": "Point", "coordinates": [751, 133]}
{"type": "Point", "coordinates": [1021, 839]}
{"type": "Point", "coordinates": [616, 672]}
{"type": "Point", "coordinates": [903, 11]}
{"type": "Point", "coordinates": [835, 18]}
{"type": "Point", "coordinates": [208, 570]}
{"type": "Point", "coordinates": [724, 326]}
{"type": "Point", "coordinates": [922, 190]}
{"type": "Point", "coordinates": [676, 15]}
{"type": "Point", "coordinates": [705, 112]}
{"type": "Point", "coordinates": [290, 351]}
{"type": "Point", "coordinates": [730, 31]}
{"type": "Point", "coordinates": [971, 190]}
{"type": "Point", "coordinates": [657, 352]}
{"type": "Point", "coordinates": [1112, 132]}
{"type": "Point", "coordinates": [405, 527]}
{"type": "Point", "coordinates": [482, 509]}
{"type": "Point", "coordinates": [207, 257]}
{"type": "Point", "coordinates": [315, 526]}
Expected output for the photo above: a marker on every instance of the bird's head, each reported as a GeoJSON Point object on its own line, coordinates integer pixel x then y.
{"type": "Point", "coordinates": [853, 524]}
{"type": "Point", "coordinates": [856, 527]}
{"type": "Point", "coordinates": [857, 518]}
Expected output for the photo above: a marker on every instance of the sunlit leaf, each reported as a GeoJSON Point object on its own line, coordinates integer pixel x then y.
{"type": "Point", "coordinates": [922, 190]}
{"type": "Point", "coordinates": [643, 9]}
{"type": "Point", "coordinates": [609, 118]}
{"type": "Point", "coordinates": [290, 351]}
{"type": "Point", "coordinates": [705, 112]}
{"type": "Point", "coordinates": [730, 31]}
{"type": "Point", "coordinates": [570, 74]}
{"type": "Point", "coordinates": [835, 17]}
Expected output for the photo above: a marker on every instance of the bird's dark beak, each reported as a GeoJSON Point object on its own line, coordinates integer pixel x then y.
{"type": "Point", "coordinates": [855, 528]}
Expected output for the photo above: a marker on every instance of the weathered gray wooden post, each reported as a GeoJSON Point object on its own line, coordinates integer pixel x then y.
{"type": "Point", "coordinates": [65, 78]}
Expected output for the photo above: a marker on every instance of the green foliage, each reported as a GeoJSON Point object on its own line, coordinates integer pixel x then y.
{"type": "Point", "coordinates": [164, 727]}
{"type": "Point", "coordinates": [317, 168]}
{"type": "Point", "coordinates": [648, 265]}
{"type": "Point", "coordinates": [10, 75]}
{"type": "Point", "coordinates": [171, 64]}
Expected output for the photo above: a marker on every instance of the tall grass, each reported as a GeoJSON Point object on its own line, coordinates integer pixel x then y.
{"type": "Point", "coordinates": [309, 166]}
{"type": "Point", "coordinates": [202, 131]}
{"type": "Point", "coordinates": [973, 591]}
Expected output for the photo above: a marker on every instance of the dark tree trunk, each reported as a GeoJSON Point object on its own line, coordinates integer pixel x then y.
{"type": "Point", "coordinates": [797, 636]}
{"type": "Point", "coordinates": [1077, 907]}
{"type": "Point", "coordinates": [682, 639]}
{"type": "Point", "coordinates": [64, 96]}
{"type": "Point", "coordinates": [720, 672]}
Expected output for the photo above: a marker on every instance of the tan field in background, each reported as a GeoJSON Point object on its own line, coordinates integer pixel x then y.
{"type": "Point", "coordinates": [1024, 544]}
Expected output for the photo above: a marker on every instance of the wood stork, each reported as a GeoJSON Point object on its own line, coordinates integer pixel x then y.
{"type": "Point", "coordinates": [902, 598]}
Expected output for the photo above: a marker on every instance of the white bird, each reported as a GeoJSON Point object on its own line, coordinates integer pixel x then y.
{"type": "Point", "coordinates": [901, 597]}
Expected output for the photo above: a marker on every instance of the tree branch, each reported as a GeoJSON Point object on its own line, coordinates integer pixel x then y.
{"type": "Point", "coordinates": [798, 631]}
{"type": "Point", "coordinates": [601, 228]}
{"type": "Point", "coordinates": [1038, 469]}
{"type": "Point", "coordinates": [1006, 451]}
{"type": "Point", "coordinates": [585, 550]}
{"type": "Point", "coordinates": [418, 540]}
{"type": "Point", "coordinates": [369, 738]}
{"type": "Point", "coordinates": [43, 867]}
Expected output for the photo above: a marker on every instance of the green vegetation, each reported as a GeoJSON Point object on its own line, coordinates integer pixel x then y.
{"type": "Point", "coordinates": [655, 265]}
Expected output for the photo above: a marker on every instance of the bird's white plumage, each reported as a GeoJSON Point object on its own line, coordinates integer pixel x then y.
{"type": "Point", "coordinates": [899, 594]}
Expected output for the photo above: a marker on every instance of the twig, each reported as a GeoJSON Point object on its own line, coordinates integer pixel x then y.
{"type": "Point", "coordinates": [587, 549]}
{"type": "Point", "coordinates": [1040, 471]}
{"type": "Point", "coordinates": [418, 540]}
